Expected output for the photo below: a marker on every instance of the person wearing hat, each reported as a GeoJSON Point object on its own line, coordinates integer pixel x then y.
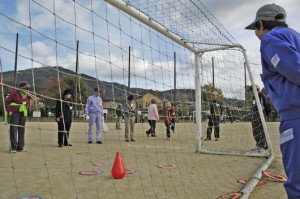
{"type": "Point", "coordinates": [280, 57]}
{"type": "Point", "coordinates": [17, 106]}
{"type": "Point", "coordinates": [63, 114]}
{"type": "Point", "coordinates": [94, 114]}
{"type": "Point", "coordinates": [129, 118]}
{"type": "Point", "coordinates": [216, 112]}
{"type": "Point", "coordinates": [119, 113]}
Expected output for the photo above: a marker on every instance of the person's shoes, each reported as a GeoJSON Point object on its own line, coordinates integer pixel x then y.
{"type": "Point", "coordinates": [217, 139]}
{"type": "Point", "coordinates": [67, 144]}
{"type": "Point", "coordinates": [21, 150]}
{"type": "Point", "coordinates": [126, 140]}
{"type": "Point", "coordinates": [132, 140]}
{"type": "Point", "coordinates": [60, 145]}
{"type": "Point", "coordinates": [153, 135]}
{"type": "Point", "coordinates": [13, 151]}
{"type": "Point", "coordinates": [90, 142]}
{"type": "Point", "coordinates": [99, 142]}
{"type": "Point", "coordinates": [207, 139]}
{"type": "Point", "coordinates": [168, 139]}
{"type": "Point", "coordinates": [148, 133]}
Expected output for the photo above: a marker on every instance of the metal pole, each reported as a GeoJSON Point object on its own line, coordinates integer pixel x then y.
{"type": "Point", "coordinates": [174, 78]}
{"type": "Point", "coordinates": [198, 100]}
{"type": "Point", "coordinates": [245, 77]}
{"type": "Point", "coordinates": [76, 80]}
{"type": "Point", "coordinates": [16, 59]}
{"type": "Point", "coordinates": [129, 68]}
{"type": "Point", "coordinates": [213, 71]}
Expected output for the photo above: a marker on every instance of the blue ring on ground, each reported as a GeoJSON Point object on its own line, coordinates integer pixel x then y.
{"type": "Point", "coordinates": [30, 197]}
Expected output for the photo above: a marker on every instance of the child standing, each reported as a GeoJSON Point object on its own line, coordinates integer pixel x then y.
{"type": "Point", "coordinates": [170, 119]}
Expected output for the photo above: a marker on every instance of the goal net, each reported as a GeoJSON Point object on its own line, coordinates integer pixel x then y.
{"type": "Point", "coordinates": [171, 51]}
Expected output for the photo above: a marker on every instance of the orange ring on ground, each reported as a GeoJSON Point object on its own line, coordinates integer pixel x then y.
{"type": "Point", "coordinates": [274, 176]}
{"type": "Point", "coordinates": [30, 197]}
{"type": "Point", "coordinates": [234, 195]}
{"type": "Point", "coordinates": [244, 180]}
{"type": "Point", "coordinates": [130, 171]}
{"type": "Point", "coordinates": [90, 172]}
{"type": "Point", "coordinates": [167, 166]}
{"type": "Point", "coordinates": [101, 164]}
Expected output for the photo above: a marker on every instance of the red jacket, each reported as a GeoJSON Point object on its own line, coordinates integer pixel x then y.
{"type": "Point", "coordinates": [170, 116]}
{"type": "Point", "coordinates": [15, 97]}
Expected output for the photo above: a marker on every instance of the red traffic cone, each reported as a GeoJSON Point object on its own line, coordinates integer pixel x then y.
{"type": "Point", "coordinates": [118, 169]}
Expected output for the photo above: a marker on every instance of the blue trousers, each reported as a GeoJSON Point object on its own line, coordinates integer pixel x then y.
{"type": "Point", "coordinates": [290, 148]}
{"type": "Point", "coordinates": [95, 117]}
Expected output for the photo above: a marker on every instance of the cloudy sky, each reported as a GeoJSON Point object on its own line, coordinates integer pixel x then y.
{"type": "Point", "coordinates": [109, 26]}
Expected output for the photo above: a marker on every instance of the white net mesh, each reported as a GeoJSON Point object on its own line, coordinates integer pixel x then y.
{"type": "Point", "coordinates": [86, 44]}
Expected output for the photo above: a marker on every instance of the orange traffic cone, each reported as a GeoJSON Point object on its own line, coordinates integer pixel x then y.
{"type": "Point", "coordinates": [118, 169]}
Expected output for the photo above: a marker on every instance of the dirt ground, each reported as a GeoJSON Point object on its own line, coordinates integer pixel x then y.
{"type": "Point", "coordinates": [53, 173]}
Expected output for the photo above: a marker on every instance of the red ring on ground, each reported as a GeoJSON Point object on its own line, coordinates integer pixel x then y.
{"type": "Point", "coordinates": [101, 164]}
{"type": "Point", "coordinates": [130, 171]}
{"type": "Point", "coordinates": [167, 166]}
{"type": "Point", "coordinates": [234, 195]}
{"type": "Point", "coordinates": [90, 172]}
{"type": "Point", "coordinates": [30, 197]}
{"type": "Point", "coordinates": [274, 176]}
{"type": "Point", "coordinates": [244, 180]}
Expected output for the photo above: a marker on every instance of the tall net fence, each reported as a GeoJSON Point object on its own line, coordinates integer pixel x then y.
{"type": "Point", "coordinates": [55, 45]}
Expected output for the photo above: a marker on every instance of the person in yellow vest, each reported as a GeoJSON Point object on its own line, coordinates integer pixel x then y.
{"type": "Point", "coordinates": [17, 106]}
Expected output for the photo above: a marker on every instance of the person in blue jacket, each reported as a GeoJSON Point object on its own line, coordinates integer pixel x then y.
{"type": "Point", "coordinates": [280, 58]}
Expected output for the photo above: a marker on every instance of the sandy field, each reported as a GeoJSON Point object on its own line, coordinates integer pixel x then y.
{"type": "Point", "coordinates": [51, 172]}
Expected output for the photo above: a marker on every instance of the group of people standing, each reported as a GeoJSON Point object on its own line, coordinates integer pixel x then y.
{"type": "Point", "coordinates": [17, 106]}
{"type": "Point", "coordinates": [130, 112]}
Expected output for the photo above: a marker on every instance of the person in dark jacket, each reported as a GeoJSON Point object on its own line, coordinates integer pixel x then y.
{"type": "Point", "coordinates": [280, 57]}
{"type": "Point", "coordinates": [17, 106]}
{"type": "Point", "coordinates": [119, 113]}
{"type": "Point", "coordinates": [257, 127]}
{"type": "Point", "coordinates": [63, 114]}
{"type": "Point", "coordinates": [215, 116]}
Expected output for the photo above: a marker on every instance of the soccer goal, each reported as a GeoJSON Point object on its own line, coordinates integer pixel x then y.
{"type": "Point", "coordinates": [168, 50]}
{"type": "Point", "coordinates": [221, 65]}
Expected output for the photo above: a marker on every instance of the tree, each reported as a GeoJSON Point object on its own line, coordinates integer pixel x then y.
{"type": "Point", "coordinates": [52, 90]}
{"type": "Point", "coordinates": [82, 89]}
{"type": "Point", "coordinates": [207, 89]}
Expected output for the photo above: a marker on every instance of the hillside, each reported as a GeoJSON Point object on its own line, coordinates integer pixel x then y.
{"type": "Point", "coordinates": [113, 91]}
